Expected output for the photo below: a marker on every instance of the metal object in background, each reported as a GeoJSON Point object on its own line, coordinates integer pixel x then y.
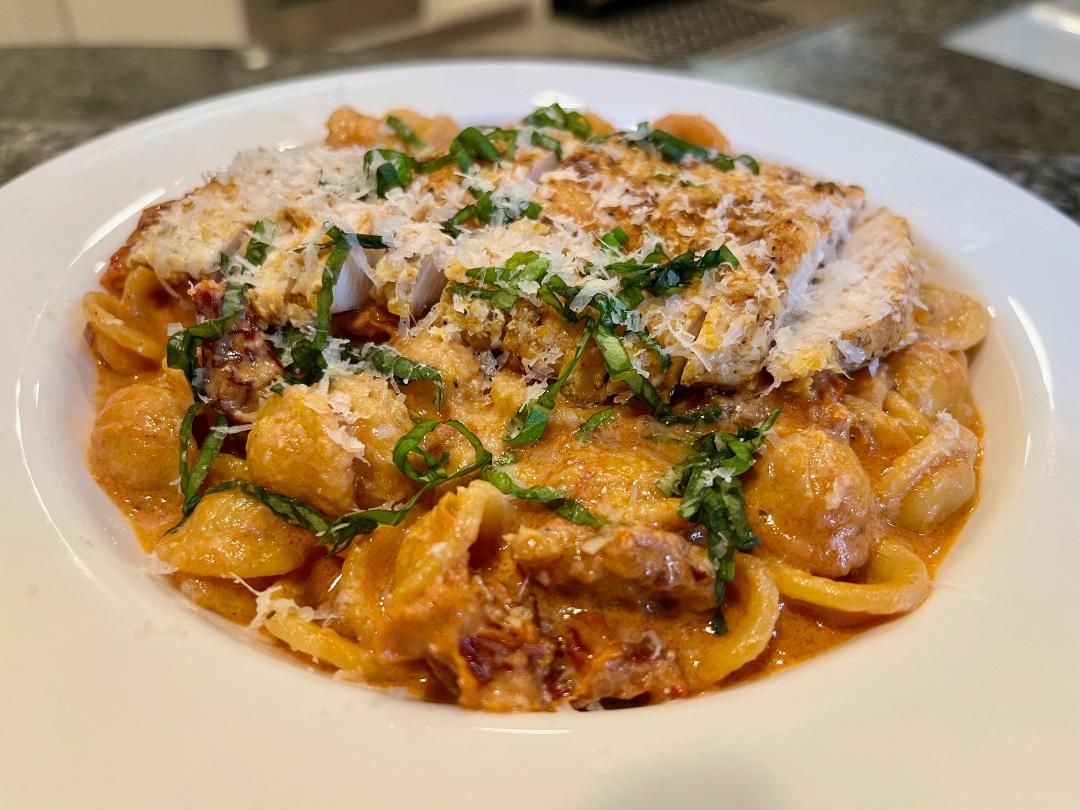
{"type": "Point", "coordinates": [675, 31]}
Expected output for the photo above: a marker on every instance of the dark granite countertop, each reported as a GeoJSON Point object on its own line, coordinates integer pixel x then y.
{"type": "Point", "coordinates": [887, 64]}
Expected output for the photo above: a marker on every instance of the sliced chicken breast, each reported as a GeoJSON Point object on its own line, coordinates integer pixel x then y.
{"type": "Point", "coordinates": [858, 307]}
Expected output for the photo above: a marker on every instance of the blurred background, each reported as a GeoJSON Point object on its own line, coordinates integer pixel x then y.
{"type": "Point", "coordinates": [995, 79]}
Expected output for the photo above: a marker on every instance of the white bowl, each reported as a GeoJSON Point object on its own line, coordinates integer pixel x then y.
{"type": "Point", "coordinates": [114, 693]}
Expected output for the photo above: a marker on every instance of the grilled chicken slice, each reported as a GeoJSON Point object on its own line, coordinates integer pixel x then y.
{"type": "Point", "coordinates": [785, 308]}
{"type": "Point", "coordinates": [858, 307]}
{"type": "Point", "coordinates": [780, 223]}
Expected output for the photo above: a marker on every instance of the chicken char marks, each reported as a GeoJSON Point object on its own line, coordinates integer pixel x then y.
{"type": "Point", "coordinates": [239, 365]}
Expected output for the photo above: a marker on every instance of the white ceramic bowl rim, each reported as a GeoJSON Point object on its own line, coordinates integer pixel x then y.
{"type": "Point", "coordinates": [118, 692]}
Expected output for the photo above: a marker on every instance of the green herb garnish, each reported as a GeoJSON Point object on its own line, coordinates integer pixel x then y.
{"type": "Point", "coordinates": [471, 145]}
{"type": "Point", "coordinates": [259, 244]}
{"type": "Point", "coordinates": [620, 369]}
{"type": "Point", "coordinates": [306, 351]}
{"type": "Point", "coordinates": [403, 370]}
{"type": "Point", "coordinates": [675, 150]}
{"type": "Point", "coordinates": [397, 170]}
{"type": "Point", "coordinates": [531, 421]}
{"type": "Point", "coordinates": [181, 352]}
{"type": "Point", "coordinates": [547, 142]}
{"type": "Point", "coordinates": [192, 477]}
{"type": "Point", "coordinates": [708, 482]}
{"type": "Point", "coordinates": [404, 131]}
{"type": "Point", "coordinates": [296, 512]}
{"type": "Point", "coordinates": [653, 345]}
{"type": "Point", "coordinates": [484, 210]}
{"type": "Point", "coordinates": [590, 425]}
{"type": "Point", "coordinates": [504, 283]}
{"type": "Point", "coordinates": [555, 117]}
{"type": "Point", "coordinates": [615, 239]}
{"type": "Point", "coordinates": [659, 277]}
{"type": "Point", "coordinates": [553, 499]}
{"type": "Point", "coordinates": [420, 465]}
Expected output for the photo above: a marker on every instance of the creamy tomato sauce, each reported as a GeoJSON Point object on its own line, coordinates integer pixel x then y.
{"type": "Point", "coordinates": [534, 416]}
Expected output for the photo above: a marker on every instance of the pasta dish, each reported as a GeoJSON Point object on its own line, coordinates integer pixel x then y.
{"type": "Point", "coordinates": [539, 415]}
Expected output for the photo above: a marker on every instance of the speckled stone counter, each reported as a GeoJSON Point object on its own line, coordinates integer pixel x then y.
{"type": "Point", "coordinates": [887, 64]}
{"type": "Point", "coordinates": [890, 65]}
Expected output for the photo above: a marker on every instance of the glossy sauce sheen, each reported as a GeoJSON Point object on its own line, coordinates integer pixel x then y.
{"type": "Point", "coordinates": [499, 603]}
{"type": "Point", "coordinates": [801, 632]}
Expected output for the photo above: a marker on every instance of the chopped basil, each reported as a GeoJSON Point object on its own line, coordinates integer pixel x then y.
{"type": "Point", "coordinates": [433, 473]}
{"type": "Point", "coordinates": [507, 137]}
{"type": "Point", "coordinates": [521, 267]}
{"type": "Point", "coordinates": [258, 244]}
{"type": "Point", "coordinates": [404, 131]}
{"type": "Point", "coordinates": [484, 210]}
{"type": "Point", "coordinates": [181, 352]}
{"type": "Point", "coordinates": [557, 294]}
{"type": "Point", "coordinates": [724, 163]}
{"type": "Point", "coordinates": [306, 352]}
{"type": "Point", "coordinates": [470, 145]}
{"type": "Point", "coordinates": [590, 425]}
{"type": "Point", "coordinates": [655, 274]}
{"type": "Point", "coordinates": [421, 466]}
{"type": "Point", "coordinates": [615, 239]}
{"type": "Point", "coordinates": [547, 142]}
{"type": "Point", "coordinates": [305, 348]}
{"type": "Point", "coordinates": [500, 299]}
{"type": "Point", "coordinates": [662, 278]}
{"type": "Point", "coordinates": [403, 370]}
{"type": "Point", "coordinates": [705, 416]}
{"type": "Point", "coordinates": [672, 148]}
{"type": "Point", "coordinates": [296, 512]}
{"type": "Point", "coordinates": [555, 117]}
{"type": "Point", "coordinates": [433, 165]}
{"type": "Point", "coordinates": [620, 369]}
{"type": "Point", "coordinates": [653, 345]}
{"type": "Point", "coordinates": [707, 481]}
{"type": "Point", "coordinates": [675, 150]}
{"type": "Point", "coordinates": [750, 163]}
{"type": "Point", "coordinates": [553, 499]}
{"type": "Point", "coordinates": [192, 477]}
{"type": "Point", "coordinates": [532, 418]}
{"type": "Point", "coordinates": [370, 241]}
{"type": "Point", "coordinates": [397, 170]}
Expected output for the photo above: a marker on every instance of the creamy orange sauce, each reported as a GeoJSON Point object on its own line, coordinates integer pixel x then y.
{"type": "Point", "coordinates": [801, 632]}
{"type": "Point", "coordinates": [481, 597]}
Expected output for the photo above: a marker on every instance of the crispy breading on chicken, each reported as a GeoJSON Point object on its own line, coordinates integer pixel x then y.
{"type": "Point", "coordinates": [812, 290]}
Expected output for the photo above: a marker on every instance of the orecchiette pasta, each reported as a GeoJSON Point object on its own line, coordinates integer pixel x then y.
{"type": "Point", "coordinates": [709, 659]}
{"type": "Point", "coordinates": [951, 320]}
{"type": "Point", "coordinates": [811, 503]}
{"type": "Point", "coordinates": [894, 580]}
{"type": "Point", "coordinates": [933, 381]}
{"type": "Point", "coordinates": [935, 478]}
{"type": "Point", "coordinates": [320, 643]}
{"type": "Point", "coordinates": [377, 418]}
{"type": "Point", "coordinates": [299, 448]}
{"type": "Point", "coordinates": [227, 599]}
{"type": "Point", "coordinates": [133, 446]}
{"type": "Point", "coordinates": [494, 414]}
{"type": "Point", "coordinates": [114, 333]}
{"type": "Point", "coordinates": [231, 534]}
